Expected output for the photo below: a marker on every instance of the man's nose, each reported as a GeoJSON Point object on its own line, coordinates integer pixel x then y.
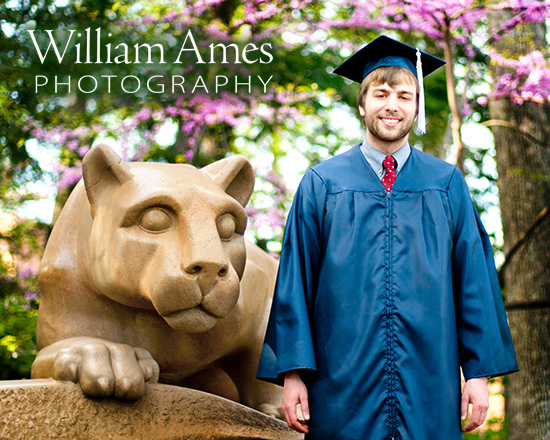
{"type": "Point", "coordinates": [392, 103]}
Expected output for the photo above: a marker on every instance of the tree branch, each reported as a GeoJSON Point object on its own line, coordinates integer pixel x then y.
{"type": "Point", "coordinates": [545, 213]}
{"type": "Point", "coordinates": [527, 305]}
{"type": "Point", "coordinates": [502, 123]}
{"type": "Point", "coordinates": [492, 8]}
{"type": "Point", "coordinates": [456, 122]}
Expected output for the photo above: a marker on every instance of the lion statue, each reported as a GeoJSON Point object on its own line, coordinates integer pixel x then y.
{"type": "Point", "coordinates": [147, 277]}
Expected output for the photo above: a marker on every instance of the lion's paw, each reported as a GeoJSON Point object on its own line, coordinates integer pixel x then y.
{"type": "Point", "coordinates": [102, 368]}
{"type": "Point", "coordinates": [271, 410]}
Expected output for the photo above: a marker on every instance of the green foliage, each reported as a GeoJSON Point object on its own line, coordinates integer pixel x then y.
{"type": "Point", "coordinates": [497, 429]}
{"type": "Point", "coordinates": [18, 102]}
{"type": "Point", "coordinates": [18, 316]}
{"type": "Point", "coordinates": [21, 245]}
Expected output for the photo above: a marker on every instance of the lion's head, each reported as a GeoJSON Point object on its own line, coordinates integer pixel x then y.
{"type": "Point", "coordinates": [168, 237]}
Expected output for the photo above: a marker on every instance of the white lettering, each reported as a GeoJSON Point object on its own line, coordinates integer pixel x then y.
{"type": "Point", "coordinates": [130, 76]}
{"type": "Point", "coordinates": [108, 81]}
{"type": "Point", "coordinates": [266, 83]}
{"type": "Point", "coordinates": [195, 49]}
{"type": "Point", "coordinates": [157, 84]}
{"type": "Point", "coordinates": [180, 84]}
{"type": "Point", "coordinates": [39, 85]}
{"type": "Point", "coordinates": [80, 87]}
{"type": "Point", "coordinates": [52, 43]}
{"type": "Point", "coordinates": [218, 77]}
{"type": "Point", "coordinates": [237, 83]}
{"type": "Point", "coordinates": [224, 48]}
{"type": "Point", "coordinates": [149, 48]}
{"type": "Point", "coordinates": [68, 84]}
{"type": "Point", "coordinates": [246, 50]}
{"type": "Point", "coordinates": [266, 53]}
{"type": "Point", "coordinates": [124, 56]}
{"type": "Point", "coordinates": [199, 79]}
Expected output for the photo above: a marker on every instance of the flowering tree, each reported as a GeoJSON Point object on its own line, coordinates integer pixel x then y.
{"type": "Point", "coordinates": [242, 76]}
{"type": "Point", "coordinates": [521, 117]}
{"type": "Point", "coordinates": [460, 30]}
{"type": "Point", "coordinates": [206, 123]}
{"type": "Point", "coordinates": [198, 108]}
{"type": "Point", "coordinates": [204, 101]}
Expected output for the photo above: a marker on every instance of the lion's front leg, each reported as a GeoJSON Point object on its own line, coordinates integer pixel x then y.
{"type": "Point", "coordinates": [263, 396]}
{"type": "Point", "coordinates": [102, 368]}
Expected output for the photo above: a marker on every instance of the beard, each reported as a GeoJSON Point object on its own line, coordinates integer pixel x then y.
{"type": "Point", "coordinates": [379, 131]}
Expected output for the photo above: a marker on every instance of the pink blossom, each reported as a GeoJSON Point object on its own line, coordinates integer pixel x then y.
{"type": "Point", "coordinates": [171, 111]}
{"type": "Point", "coordinates": [68, 176]}
{"type": "Point", "coordinates": [144, 114]}
{"type": "Point", "coordinates": [72, 144]}
{"type": "Point", "coordinates": [528, 78]}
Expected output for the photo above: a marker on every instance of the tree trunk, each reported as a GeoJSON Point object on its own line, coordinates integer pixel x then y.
{"type": "Point", "coordinates": [524, 187]}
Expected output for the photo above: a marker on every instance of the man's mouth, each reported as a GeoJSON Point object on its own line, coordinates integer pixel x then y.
{"type": "Point", "coordinates": [390, 122]}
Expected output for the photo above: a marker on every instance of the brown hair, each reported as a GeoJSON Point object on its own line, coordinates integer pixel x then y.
{"type": "Point", "coordinates": [390, 75]}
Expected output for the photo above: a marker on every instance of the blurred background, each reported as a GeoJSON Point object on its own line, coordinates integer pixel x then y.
{"type": "Point", "coordinates": [257, 81]}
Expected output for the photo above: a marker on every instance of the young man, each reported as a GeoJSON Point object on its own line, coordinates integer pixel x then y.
{"type": "Point", "coordinates": [387, 284]}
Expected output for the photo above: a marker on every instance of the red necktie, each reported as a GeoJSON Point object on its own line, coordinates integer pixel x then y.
{"type": "Point", "coordinates": [389, 177]}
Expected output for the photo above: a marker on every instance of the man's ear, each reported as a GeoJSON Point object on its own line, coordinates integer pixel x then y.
{"type": "Point", "coordinates": [235, 175]}
{"type": "Point", "coordinates": [102, 169]}
{"type": "Point", "coordinates": [362, 111]}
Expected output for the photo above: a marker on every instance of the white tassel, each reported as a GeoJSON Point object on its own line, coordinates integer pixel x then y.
{"type": "Point", "coordinates": [421, 118]}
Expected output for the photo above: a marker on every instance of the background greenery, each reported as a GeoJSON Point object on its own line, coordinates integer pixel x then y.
{"type": "Point", "coordinates": [306, 115]}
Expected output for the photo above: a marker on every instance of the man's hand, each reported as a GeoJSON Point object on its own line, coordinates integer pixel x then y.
{"type": "Point", "coordinates": [475, 393]}
{"type": "Point", "coordinates": [294, 393]}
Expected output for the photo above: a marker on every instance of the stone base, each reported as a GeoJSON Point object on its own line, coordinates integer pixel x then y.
{"type": "Point", "coordinates": [49, 409]}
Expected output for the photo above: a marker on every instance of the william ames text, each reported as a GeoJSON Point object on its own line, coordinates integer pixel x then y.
{"type": "Point", "coordinates": [91, 47]}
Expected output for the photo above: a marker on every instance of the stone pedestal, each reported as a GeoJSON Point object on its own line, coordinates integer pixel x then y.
{"type": "Point", "coordinates": [48, 409]}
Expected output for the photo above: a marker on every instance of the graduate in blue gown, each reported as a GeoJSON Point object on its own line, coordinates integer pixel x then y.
{"type": "Point", "coordinates": [387, 284]}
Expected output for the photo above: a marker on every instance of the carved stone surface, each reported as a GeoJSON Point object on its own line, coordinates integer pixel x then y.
{"type": "Point", "coordinates": [146, 272]}
{"type": "Point", "coordinates": [49, 409]}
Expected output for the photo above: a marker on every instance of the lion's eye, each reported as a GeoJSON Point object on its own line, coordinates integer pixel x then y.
{"type": "Point", "coordinates": [155, 220]}
{"type": "Point", "coordinates": [226, 226]}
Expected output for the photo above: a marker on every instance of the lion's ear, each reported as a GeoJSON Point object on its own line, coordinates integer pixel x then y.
{"type": "Point", "coordinates": [101, 169]}
{"type": "Point", "coordinates": [235, 175]}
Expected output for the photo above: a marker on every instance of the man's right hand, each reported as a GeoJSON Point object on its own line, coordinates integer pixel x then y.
{"type": "Point", "coordinates": [294, 393]}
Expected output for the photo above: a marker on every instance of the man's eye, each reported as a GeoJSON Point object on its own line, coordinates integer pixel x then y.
{"type": "Point", "coordinates": [226, 226]}
{"type": "Point", "coordinates": [155, 220]}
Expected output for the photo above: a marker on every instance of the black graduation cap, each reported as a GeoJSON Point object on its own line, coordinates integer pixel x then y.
{"type": "Point", "coordinates": [385, 52]}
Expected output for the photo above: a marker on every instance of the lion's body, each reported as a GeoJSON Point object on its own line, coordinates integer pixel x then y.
{"type": "Point", "coordinates": [155, 262]}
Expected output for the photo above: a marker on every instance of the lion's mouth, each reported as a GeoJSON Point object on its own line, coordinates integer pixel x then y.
{"type": "Point", "coordinates": [194, 320]}
{"type": "Point", "coordinates": [194, 308]}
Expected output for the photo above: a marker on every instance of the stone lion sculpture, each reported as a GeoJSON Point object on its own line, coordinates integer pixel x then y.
{"type": "Point", "coordinates": [147, 276]}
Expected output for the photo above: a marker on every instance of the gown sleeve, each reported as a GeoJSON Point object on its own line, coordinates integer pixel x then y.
{"type": "Point", "coordinates": [288, 342]}
{"type": "Point", "coordinates": [485, 342]}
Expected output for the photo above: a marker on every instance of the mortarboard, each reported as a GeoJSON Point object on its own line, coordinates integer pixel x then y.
{"type": "Point", "coordinates": [385, 52]}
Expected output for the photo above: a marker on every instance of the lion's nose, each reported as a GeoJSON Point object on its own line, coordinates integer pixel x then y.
{"type": "Point", "coordinates": [207, 269]}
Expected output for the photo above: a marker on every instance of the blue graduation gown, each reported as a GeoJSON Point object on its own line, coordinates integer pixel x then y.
{"type": "Point", "coordinates": [381, 298]}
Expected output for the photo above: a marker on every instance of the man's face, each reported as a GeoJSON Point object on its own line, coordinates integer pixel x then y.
{"type": "Point", "coordinates": [389, 112]}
